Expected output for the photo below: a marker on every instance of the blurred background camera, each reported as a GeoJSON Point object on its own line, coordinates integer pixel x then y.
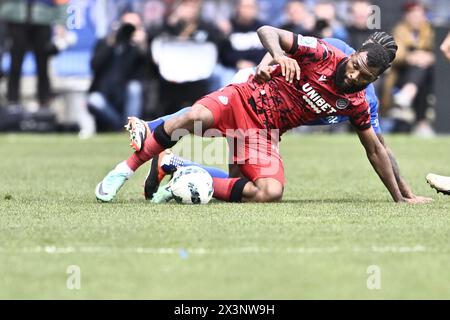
{"type": "Point", "coordinates": [125, 33]}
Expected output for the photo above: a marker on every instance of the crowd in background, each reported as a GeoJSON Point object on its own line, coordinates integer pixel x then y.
{"type": "Point", "coordinates": [148, 58]}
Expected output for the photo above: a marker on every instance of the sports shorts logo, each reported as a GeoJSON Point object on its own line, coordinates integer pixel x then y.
{"type": "Point", "coordinates": [223, 100]}
{"type": "Point", "coordinates": [341, 104]}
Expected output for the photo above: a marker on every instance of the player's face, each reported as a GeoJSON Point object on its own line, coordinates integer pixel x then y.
{"type": "Point", "coordinates": [354, 75]}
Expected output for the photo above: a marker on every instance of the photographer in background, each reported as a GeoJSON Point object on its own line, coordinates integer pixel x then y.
{"type": "Point", "coordinates": [29, 25]}
{"type": "Point", "coordinates": [119, 66]}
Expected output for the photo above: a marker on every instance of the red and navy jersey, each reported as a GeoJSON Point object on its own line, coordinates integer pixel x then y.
{"type": "Point", "coordinates": [281, 105]}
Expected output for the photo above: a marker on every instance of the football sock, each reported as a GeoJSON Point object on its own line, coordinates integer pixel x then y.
{"type": "Point", "coordinates": [214, 172]}
{"type": "Point", "coordinates": [153, 145]}
{"type": "Point", "coordinates": [125, 168]}
{"type": "Point", "coordinates": [229, 189]}
{"type": "Point", "coordinates": [157, 122]}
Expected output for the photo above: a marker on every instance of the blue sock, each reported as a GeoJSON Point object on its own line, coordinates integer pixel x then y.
{"type": "Point", "coordinates": [177, 161]}
{"type": "Point", "coordinates": [214, 172]}
{"type": "Point", "coordinates": [157, 122]}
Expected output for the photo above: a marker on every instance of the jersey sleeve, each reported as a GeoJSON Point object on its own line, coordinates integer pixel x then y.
{"type": "Point", "coordinates": [308, 49]}
{"type": "Point", "coordinates": [372, 99]}
{"type": "Point", "coordinates": [361, 119]}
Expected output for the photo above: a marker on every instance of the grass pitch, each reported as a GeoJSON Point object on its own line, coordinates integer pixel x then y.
{"type": "Point", "coordinates": [336, 220]}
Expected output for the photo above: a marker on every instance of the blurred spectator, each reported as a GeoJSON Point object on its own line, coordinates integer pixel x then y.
{"type": "Point", "coordinates": [2, 49]}
{"type": "Point", "coordinates": [412, 71]}
{"type": "Point", "coordinates": [185, 51]}
{"type": "Point", "coordinates": [153, 13]}
{"type": "Point", "coordinates": [30, 27]}
{"type": "Point", "coordinates": [358, 30]}
{"type": "Point", "coordinates": [218, 12]}
{"type": "Point", "coordinates": [327, 25]}
{"type": "Point", "coordinates": [445, 46]}
{"type": "Point", "coordinates": [118, 66]}
{"type": "Point", "coordinates": [298, 18]}
{"type": "Point", "coordinates": [243, 49]}
{"type": "Point", "coordinates": [272, 11]}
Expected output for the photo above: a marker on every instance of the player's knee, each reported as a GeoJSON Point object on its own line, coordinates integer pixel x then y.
{"type": "Point", "coordinates": [270, 194]}
{"type": "Point", "coordinates": [273, 195]}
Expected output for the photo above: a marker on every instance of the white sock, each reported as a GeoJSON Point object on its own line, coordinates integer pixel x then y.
{"type": "Point", "coordinates": [123, 167]}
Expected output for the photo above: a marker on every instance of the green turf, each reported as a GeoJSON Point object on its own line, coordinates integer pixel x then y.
{"type": "Point", "coordinates": [335, 221]}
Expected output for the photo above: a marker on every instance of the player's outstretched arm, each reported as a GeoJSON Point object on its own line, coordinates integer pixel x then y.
{"type": "Point", "coordinates": [405, 189]}
{"type": "Point", "coordinates": [379, 158]}
{"type": "Point", "coordinates": [278, 42]}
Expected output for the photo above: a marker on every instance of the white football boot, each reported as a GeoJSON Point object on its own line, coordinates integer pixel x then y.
{"type": "Point", "coordinates": [439, 183]}
{"type": "Point", "coordinates": [111, 184]}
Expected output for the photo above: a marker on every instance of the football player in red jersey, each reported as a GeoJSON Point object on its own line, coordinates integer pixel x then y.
{"type": "Point", "coordinates": [313, 80]}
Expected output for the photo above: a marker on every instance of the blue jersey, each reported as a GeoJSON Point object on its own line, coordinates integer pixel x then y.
{"type": "Point", "coordinates": [370, 94]}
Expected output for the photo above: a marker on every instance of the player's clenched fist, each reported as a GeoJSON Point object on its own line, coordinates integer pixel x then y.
{"type": "Point", "coordinates": [289, 67]}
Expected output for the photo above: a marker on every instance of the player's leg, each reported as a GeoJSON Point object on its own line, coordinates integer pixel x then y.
{"type": "Point", "coordinates": [151, 144]}
{"type": "Point", "coordinates": [167, 163]}
{"type": "Point", "coordinates": [263, 190]}
{"type": "Point", "coordinates": [244, 190]}
{"type": "Point", "coordinates": [439, 183]}
{"type": "Point", "coordinates": [240, 77]}
{"type": "Point", "coordinates": [152, 125]}
{"type": "Point", "coordinates": [262, 178]}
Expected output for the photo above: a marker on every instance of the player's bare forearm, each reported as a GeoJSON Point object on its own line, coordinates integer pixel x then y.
{"type": "Point", "coordinates": [381, 163]}
{"type": "Point", "coordinates": [275, 40]}
{"type": "Point", "coordinates": [379, 159]}
{"type": "Point", "coordinates": [278, 42]}
{"type": "Point", "coordinates": [267, 60]}
{"type": "Point", "coordinates": [403, 186]}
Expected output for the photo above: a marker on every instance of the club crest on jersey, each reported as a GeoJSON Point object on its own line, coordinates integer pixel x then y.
{"type": "Point", "coordinates": [223, 100]}
{"type": "Point", "coordinates": [341, 104]}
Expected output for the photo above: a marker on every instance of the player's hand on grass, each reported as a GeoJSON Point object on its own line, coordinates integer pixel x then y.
{"type": "Point", "coordinates": [423, 199]}
{"type": "Point", "coordinates": [289, 67]}
{"type": "Point", "coordinates": [418, 200]}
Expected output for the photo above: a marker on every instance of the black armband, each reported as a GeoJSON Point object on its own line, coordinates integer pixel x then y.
{"type": "Point", "coordinates": [294, 47]}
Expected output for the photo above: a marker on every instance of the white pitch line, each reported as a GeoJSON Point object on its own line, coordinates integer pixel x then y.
{"type": "Point", "coordinates": [209, 251]}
